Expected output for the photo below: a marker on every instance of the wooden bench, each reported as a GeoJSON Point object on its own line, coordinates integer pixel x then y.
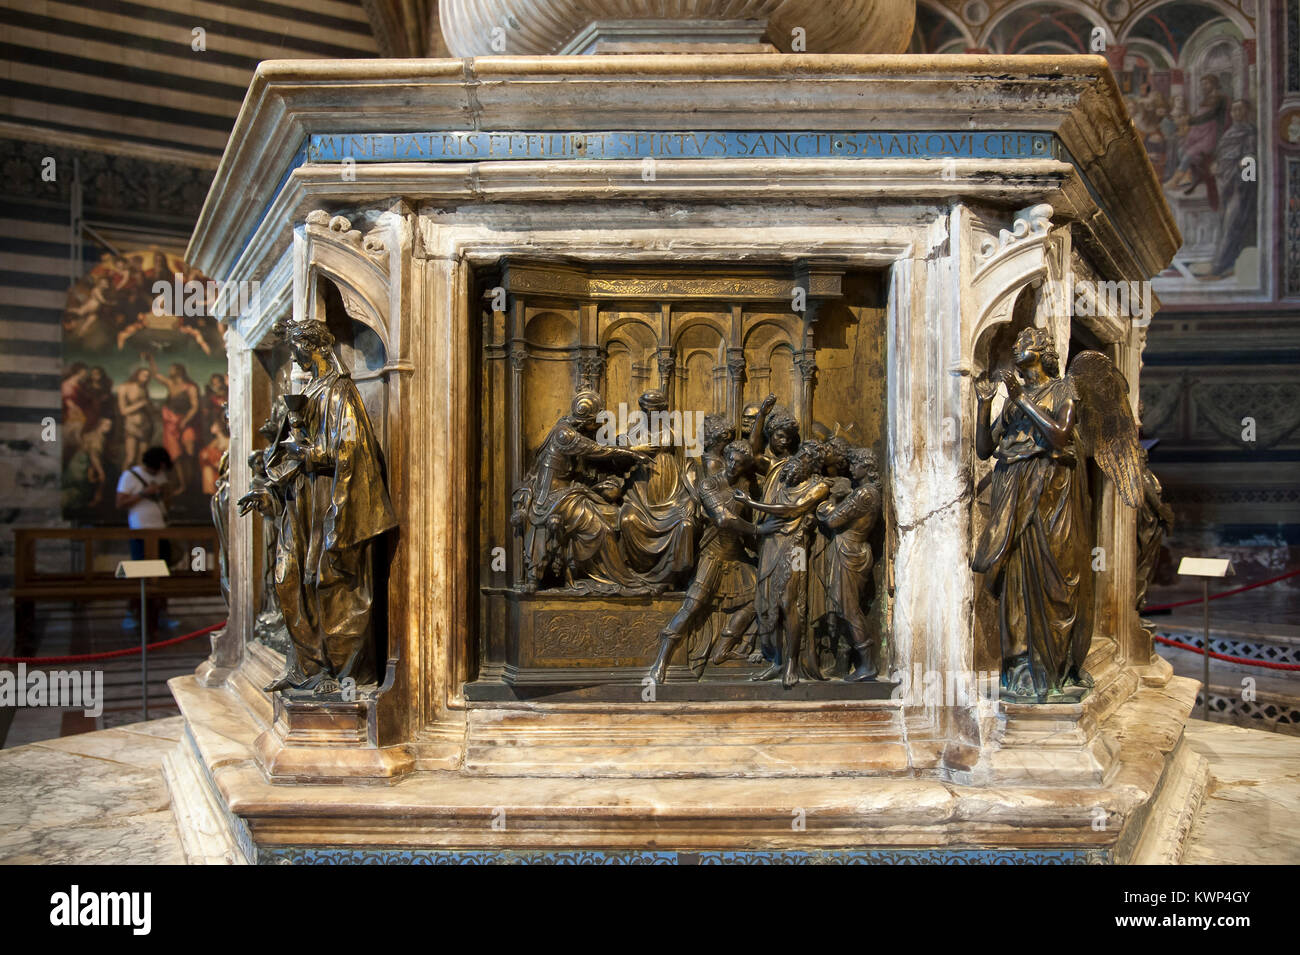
{"type": "Point", "coordinates": [94, 579]}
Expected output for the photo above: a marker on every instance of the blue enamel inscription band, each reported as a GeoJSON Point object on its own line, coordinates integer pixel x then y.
{"type": "Point", "coordinates": [472, 146]}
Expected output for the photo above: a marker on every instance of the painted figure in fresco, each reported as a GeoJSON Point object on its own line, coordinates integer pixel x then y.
{"type": "Point", "coordinates": [1155, 519]}
{"type": "Point", "coordinates": [724, 576]}
{"type": "Point", "coordinates": [221, 521]}
{"type": "Point", "coordinates": [215, 394]}
{"type": "Point", "coordinates": [790, 500]}
{"type": "Point", "coordinates": [1238, 196]}
{"type": "Point", "coordinates": [656, 524]}
{"type": "Point", "coordinates": [114, 296]}
{"type": "Point", "coordinates": [73, 391]}
{"type": "Point", "coordinates": [138, 415]}
{"type": "Point", "coordinates": [87, 320]}
{"type": "Point", "coordinates": [1196, 152]}
{"type": "Point", "coordinates": [850, 520]}
{"type": "Point", "coordinates": [99, 400]}
{"type": "Point", "coordinates": [1035, 553]}
{"type": "Point", "coordinates": [180, 419]}
{"type": "Point", "coordinates": [567, 512]}
{"type": "Point", "coordinates": [326, 467]}
{"type": "Point", "coordinates": [210, 456]}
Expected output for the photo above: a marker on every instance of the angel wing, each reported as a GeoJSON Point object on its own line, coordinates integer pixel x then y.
{"type": "Point", "coordinates": [1106, 427]}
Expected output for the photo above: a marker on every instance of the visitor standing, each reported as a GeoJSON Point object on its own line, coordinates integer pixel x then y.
{"type": "Point", "coordinates": [142, 492]}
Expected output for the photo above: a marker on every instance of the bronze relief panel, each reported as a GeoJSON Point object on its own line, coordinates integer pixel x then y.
{"type": "Point", "coordinates": [681, 482]}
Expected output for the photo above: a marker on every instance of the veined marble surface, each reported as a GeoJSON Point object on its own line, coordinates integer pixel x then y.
{"type": "Point", "coordinates": [99, 798]}
{"type": "Point", "coordinates": [93, 799]}
{"type": "Point", "coordinates": [1251, 812]}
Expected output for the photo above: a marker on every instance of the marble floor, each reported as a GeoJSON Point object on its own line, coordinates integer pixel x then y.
{"type": "Point", "coordinates": [1251, 812]}
{"type": "Point", "coordinates": [99, 798]}
{"type": "Point", "coordinates": [93, 799]}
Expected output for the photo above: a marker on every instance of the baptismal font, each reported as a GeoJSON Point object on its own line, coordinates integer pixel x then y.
{"type": "Point", "coordinates": [642, 450]}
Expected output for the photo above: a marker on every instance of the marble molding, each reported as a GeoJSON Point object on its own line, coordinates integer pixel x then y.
{"type": "Point", "coordinates": [1144, 808]}
{"type": "Point", "coordinates": [1247, 814]}
{"type": "Point", "coordinates": [965, 243]}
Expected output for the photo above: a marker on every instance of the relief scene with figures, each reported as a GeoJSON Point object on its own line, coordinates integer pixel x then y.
{"type": "Point", "coordinates": [681, 479]}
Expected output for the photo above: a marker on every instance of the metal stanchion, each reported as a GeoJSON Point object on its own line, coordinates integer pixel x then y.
{"type": "Point", "coordinates": [144, 649]}
{"type": "Point", "coordinates": [144, 569]}
{"type": "Point", "coordinates": [1205, 568]}
{"type": "Point", "coordinates": [1205, 649]}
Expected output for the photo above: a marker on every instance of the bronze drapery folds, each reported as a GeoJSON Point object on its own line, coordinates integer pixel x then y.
{"type": "Point", "coordinates": [269, 626]}
{"type": "Point", "coordinates": [656, 522]}
{"type": "Point", "coordinates": [324, 483]}
{"type": "Point", "coordinates": [1036, 552]}
{"type": "Point", "coordinates": [1155, 519]}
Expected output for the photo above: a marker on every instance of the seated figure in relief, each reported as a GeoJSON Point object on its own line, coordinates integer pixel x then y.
{"type": "Point", "coordinates": [656, 521]}
{"type": "Point", "coordinates": [568, 514]}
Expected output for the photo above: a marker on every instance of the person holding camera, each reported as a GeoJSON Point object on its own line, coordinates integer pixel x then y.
{"type": "Point", "coordinates": [142, 492]}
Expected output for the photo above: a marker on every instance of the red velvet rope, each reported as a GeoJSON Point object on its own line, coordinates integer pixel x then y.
{"type": "Point", "coordinates": [1221, 656]}
{"type": "Point", "coordinates": [1226, 593]}
{"type": "Point", "coordinates": [110, 654]}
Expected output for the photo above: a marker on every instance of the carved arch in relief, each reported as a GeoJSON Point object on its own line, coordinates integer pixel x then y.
{"type": "Point", "coordinates": [343, 268]}
{"type": "Point", "coordinates": [360, 267]}
{"type": "Point", "coordinates": [629, 342]}
{"type": "Point", "coordinates": [700, 347]}
{"type": "Point", "coordinates": [1030, 256]}
{"type": "Point", "coordinates": [690, 321]}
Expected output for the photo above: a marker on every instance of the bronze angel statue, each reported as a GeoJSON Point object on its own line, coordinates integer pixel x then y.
{"type": "Point", "coordinates": [1036, 552]}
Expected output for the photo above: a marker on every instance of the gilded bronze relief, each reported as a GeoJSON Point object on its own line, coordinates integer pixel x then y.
{"type": "Point", "coordinates": [671, 491]}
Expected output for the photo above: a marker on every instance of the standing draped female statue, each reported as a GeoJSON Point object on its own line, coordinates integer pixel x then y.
{"type": "Point", "coordinates": [1036, 552]}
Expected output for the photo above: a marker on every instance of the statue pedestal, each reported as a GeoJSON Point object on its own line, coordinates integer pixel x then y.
{"type": "Point", "coordinates": [327, 740]}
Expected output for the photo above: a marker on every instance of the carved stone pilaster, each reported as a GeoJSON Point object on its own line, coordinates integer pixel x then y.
{"type": "Point", "coordinates": [806, 361]}
{"type": "Point", "coordinates": [735, 383]}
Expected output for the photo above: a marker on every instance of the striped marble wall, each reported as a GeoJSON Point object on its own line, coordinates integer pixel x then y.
{"type": "Point", "coordinates": [116, 89]}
